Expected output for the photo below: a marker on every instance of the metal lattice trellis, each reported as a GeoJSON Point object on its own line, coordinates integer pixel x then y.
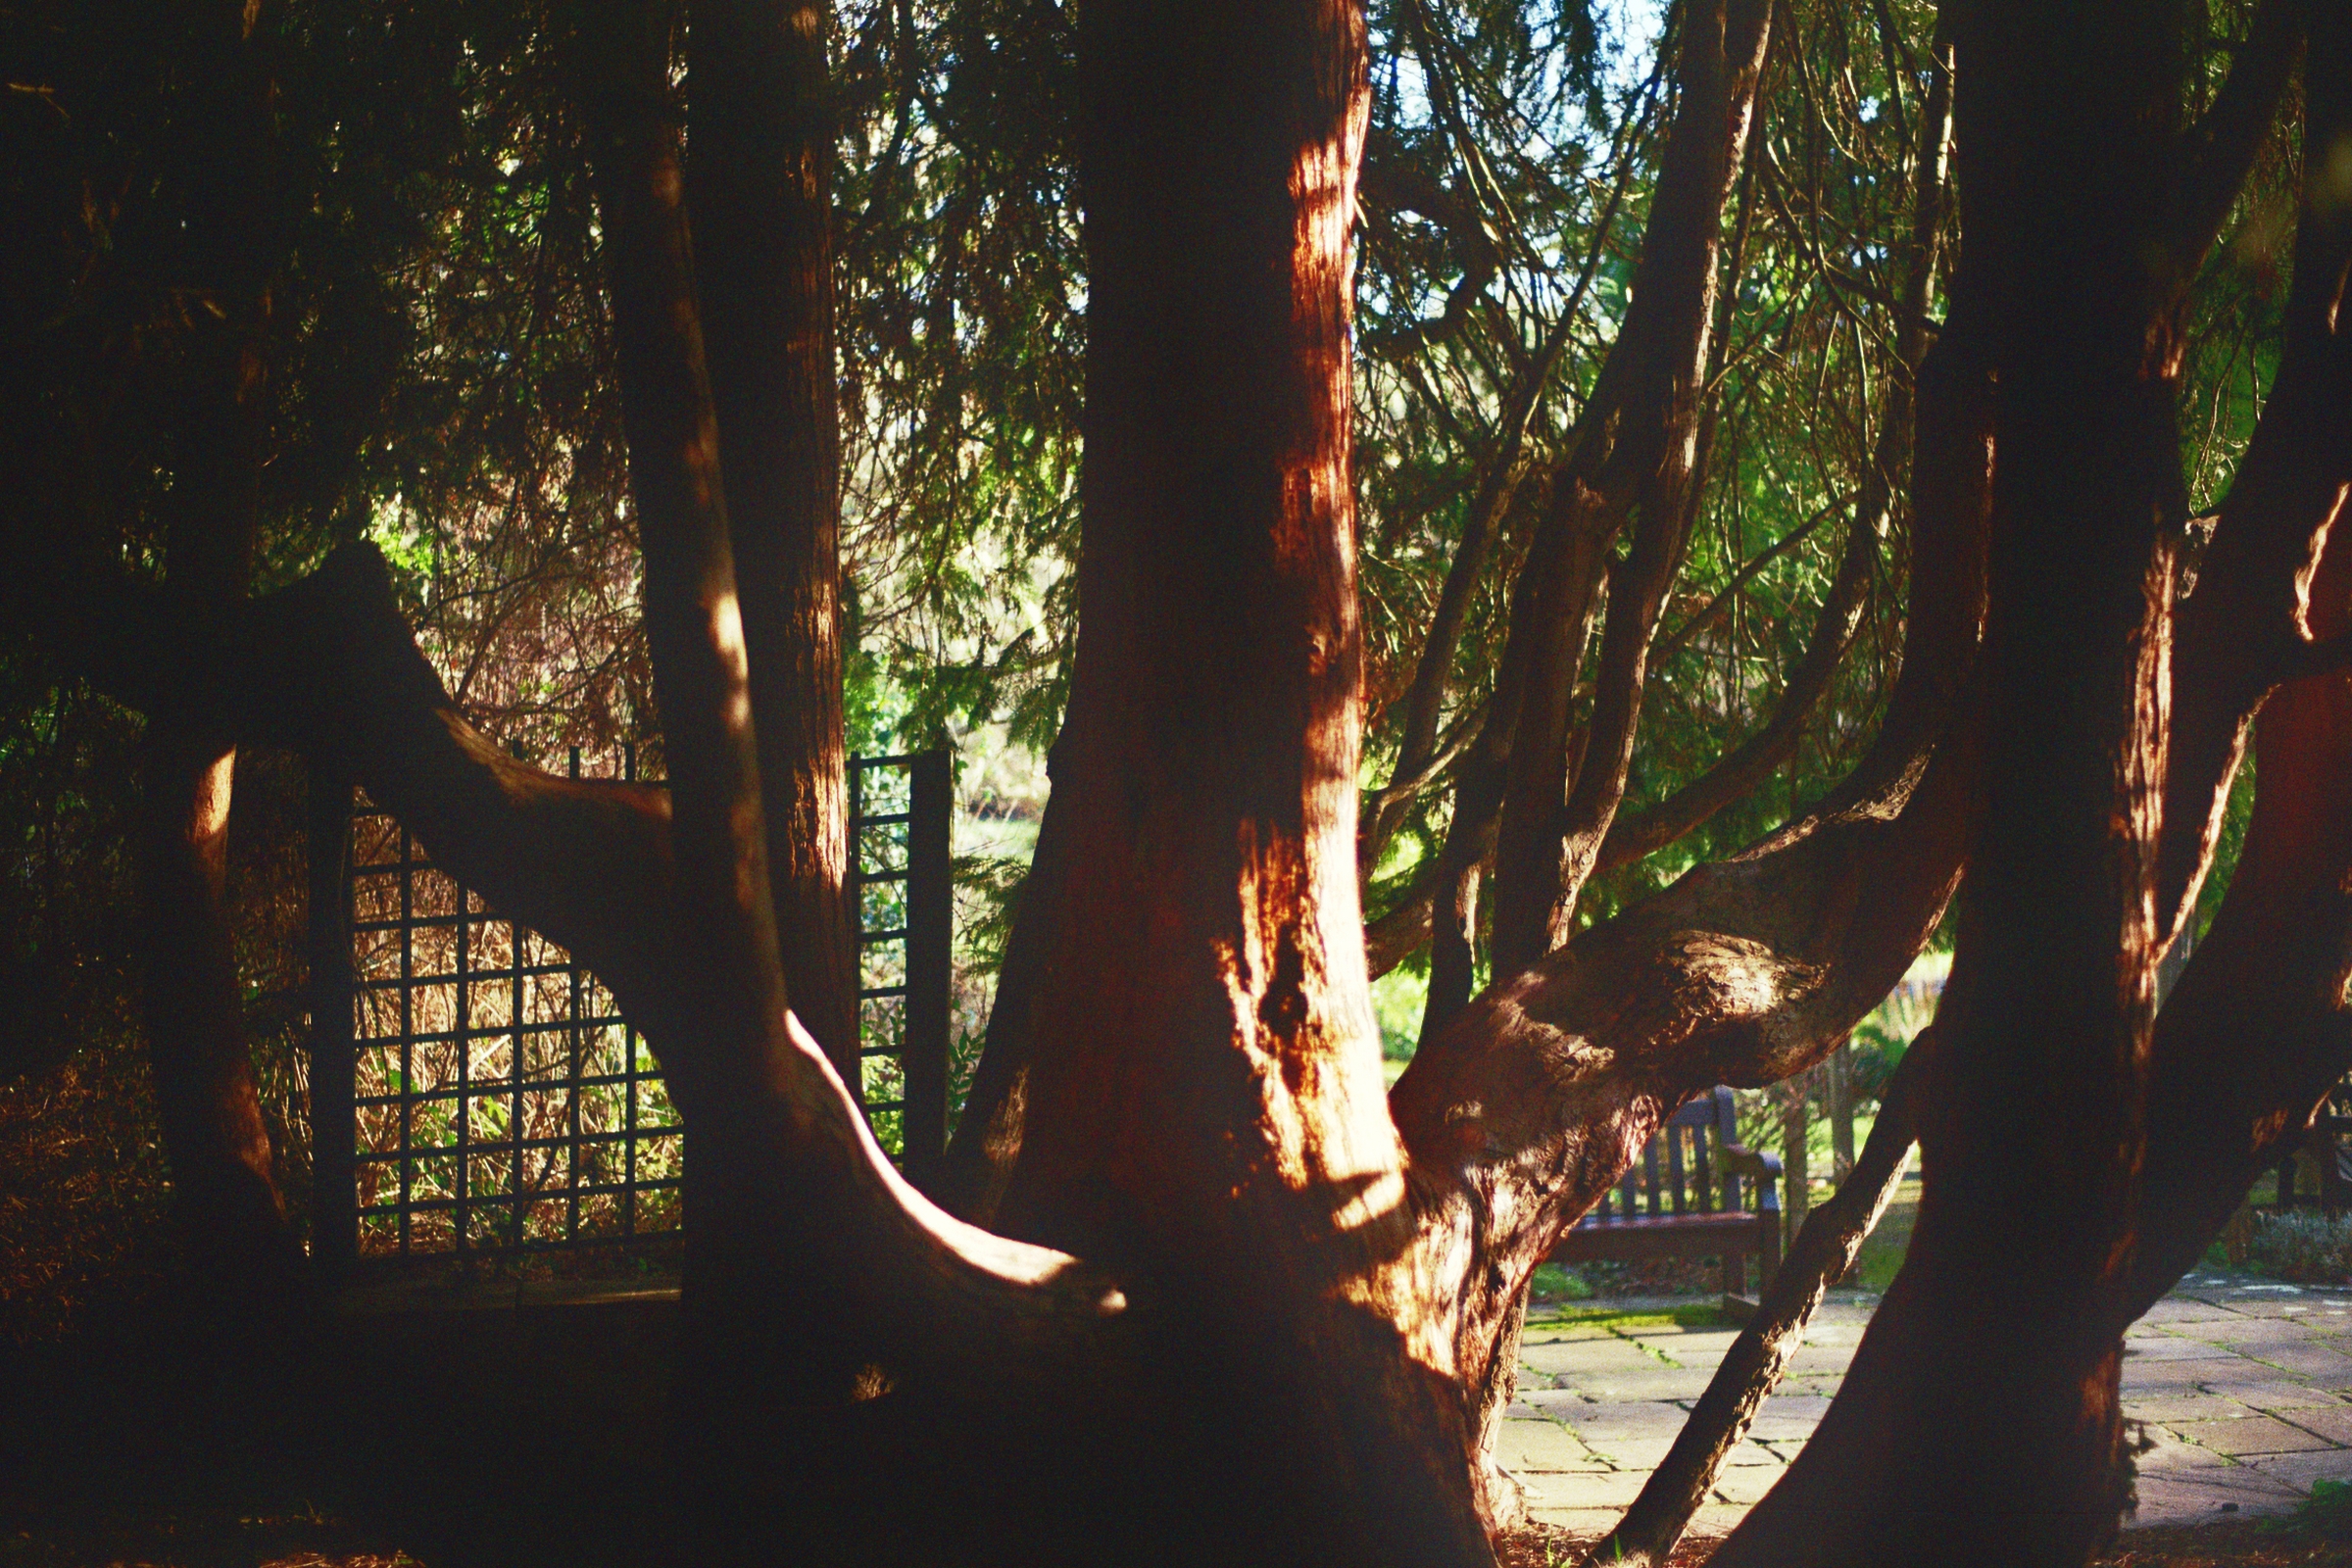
{"type": "Point", "coordinates": [488, 1096]}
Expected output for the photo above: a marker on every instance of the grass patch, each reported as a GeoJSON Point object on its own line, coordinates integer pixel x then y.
{"type": "Point", "coordinates": [1697, 1315]}
{"type": "Point", "coordinates": [2326, 1515]}
{"type": "Point", "coordinates": [1554, 1284]}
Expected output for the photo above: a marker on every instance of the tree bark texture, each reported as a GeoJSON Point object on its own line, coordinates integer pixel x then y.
{"type": "Point", "coordinates": [1195, 1103]}
{"type": "Point", "coordinates": [781, 1150]}
{"type": "Point", "coordinates": [1981, 1417]}
{"type": "Point", "coordinates": [759, 195]}
{"type": "Point", "coordinates": [225, 1194]}
{"type": "Point", "coordinates": [1640, 419]}
{"type": "Point", "coordinates": [2256, 1029]}
{"type": "Point", "coordinates": [1204, 1097]}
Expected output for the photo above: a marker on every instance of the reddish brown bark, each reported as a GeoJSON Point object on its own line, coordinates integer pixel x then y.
{"type": "Point", "coordinates": [1203, 1093]}
{"type": "Point", "coordinates": [1638, 459]}
{"type": "Point", "coordinates": [1749, 764]}
{"type": "Point", "coordinates": [2246, 623]}
{"type": "Point", "coordinates": [1637, 424]}
{"type": "Point", "coordinates": [1980, 1420]}
{"type": "Point", "coordinates": [782, 1156]}
{"type": "Point", "coordinates": [759, 189]}
{"type": "Point", "coordinates": [224, 1191]}
{"type": "Point", "coordinates": [2255, 1032]}
{"type": "Point", "coordinates": [1745, 971]}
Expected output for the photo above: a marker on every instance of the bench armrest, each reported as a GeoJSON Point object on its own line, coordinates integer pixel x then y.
{"type": "Point", "coordinates": [1762, 1170]}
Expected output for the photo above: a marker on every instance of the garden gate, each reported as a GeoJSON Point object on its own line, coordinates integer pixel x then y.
{"type": "Point", "coordinates": [474, 1091]}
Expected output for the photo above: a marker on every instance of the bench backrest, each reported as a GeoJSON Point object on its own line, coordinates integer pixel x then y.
{"type": "Point", "coordinates": [1681, 1170]}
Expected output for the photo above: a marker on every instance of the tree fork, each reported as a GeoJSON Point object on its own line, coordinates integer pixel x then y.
{"type": "Point", "coordinates": [1640, 458]}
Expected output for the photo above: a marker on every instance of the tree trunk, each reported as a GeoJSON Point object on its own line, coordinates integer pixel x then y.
{"type": "Point", "coordinates": [782, 1158]}
{"type": "Point", "coordinates": [1204, 1101]}
{"type": "Point", "coordinates": [224, 1192]}
{"type": "Point", "coordinates": [193, 1003]}
{"type": "Point", "coordinates": [2254, 1035]}
{"type": "Point", "coordinates": [760, 187]}
{"type": "Point", "coordinates": [1980, 1420]}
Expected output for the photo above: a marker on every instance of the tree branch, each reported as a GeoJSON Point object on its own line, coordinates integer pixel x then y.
{"type": "Point", "coordinates": [1824, 1247]}
{"type": "Point", "coordinates": [1756, 758]}
{"type": "Point", "coordinates": [1536, 1099]}
{"type": "Point", "coordinates": [1644, 459]}
{"type": "Point", "coordinates": [2219, 148]}
{"type": "Point", "coordinates": [1675, 641]}
{"type": "Point", "coordinates": [2245, 627]}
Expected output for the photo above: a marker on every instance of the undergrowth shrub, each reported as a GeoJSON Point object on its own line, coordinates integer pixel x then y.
{"type": "Point", "coordinates": [2308, 1248]}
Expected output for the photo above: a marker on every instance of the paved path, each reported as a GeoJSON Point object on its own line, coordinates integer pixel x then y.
{"type": "Point", "coordinates": [2245, 1389]}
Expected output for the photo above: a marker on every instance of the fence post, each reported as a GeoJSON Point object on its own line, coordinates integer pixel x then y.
{"type": "Point", "coordinates": [334, 1063]}
{"type": "Point", "coordinates": [930, 962]}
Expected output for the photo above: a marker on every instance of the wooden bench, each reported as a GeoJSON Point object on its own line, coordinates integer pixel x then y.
{"type": "Point", "coordinates": [1674, 1203]}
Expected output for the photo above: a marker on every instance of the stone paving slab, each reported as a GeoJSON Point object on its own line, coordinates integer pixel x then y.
{"type": "Point", "coordinates": [2250, 1435]}
{"type": "Point", "coordinates": [2237, 1389]}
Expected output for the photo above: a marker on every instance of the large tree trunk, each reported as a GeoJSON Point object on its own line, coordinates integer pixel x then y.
{"type": "Point", "coordinates": [1203, 1097]}
{"type": "Point", "coordinates": [1980, 1420]}
{"type": "Point", "coordinates": [224, 1192]}
{"type": "Point", "coordinates": [193, 1005]}
{"type": "Point", "coordinates": [760, 190]}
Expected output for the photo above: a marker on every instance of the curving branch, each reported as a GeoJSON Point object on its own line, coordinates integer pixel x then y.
{"type": "Point", "coordinates": [1756, 758]}
{"type": "Point", "coordinates": [2256, 1030]}
{"type": "Point", "coordinates": [1753, 760]}
{"type": "Point", "coordinates": [2217, 150]}
{"type": "Point", "coordinates": [331, 665]}
{"type": "Point", "coordinates": [1531, 1104]}
{"type": "Point", "coordinates": [1675, 641]}
{"type": "Point", "coordinates": [2245, 627]}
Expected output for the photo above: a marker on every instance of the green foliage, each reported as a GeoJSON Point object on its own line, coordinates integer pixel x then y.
{"type": "Point", "coordinates": [2326, 1513]}
{"type": "Point", "coordinates": [1554, 1284]}
{"type": "Point", "coordinates": [388, 206]}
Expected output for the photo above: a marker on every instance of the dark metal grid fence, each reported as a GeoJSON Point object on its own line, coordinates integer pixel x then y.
{"type": "Point", "coordinates": [489, 1096]}
{"type": "Point", "coordinates": [501, 1102]}
{"type": "Point", "coordinates": [898, 839]}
